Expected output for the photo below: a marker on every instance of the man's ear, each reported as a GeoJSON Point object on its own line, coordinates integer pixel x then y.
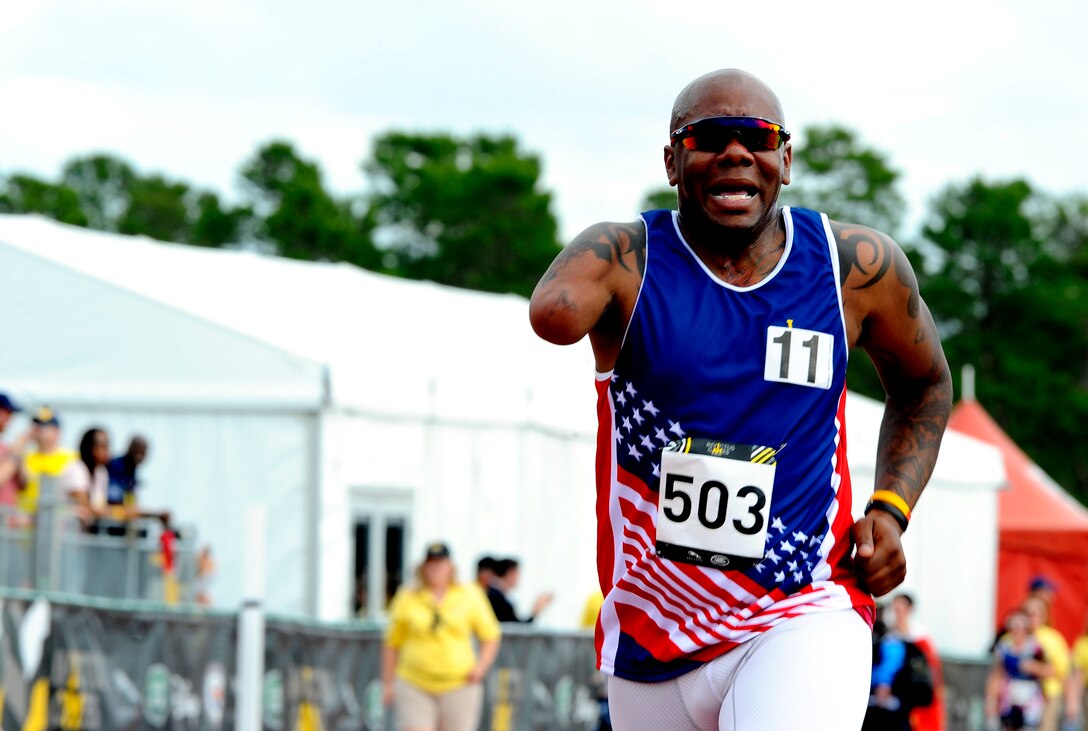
{"type": "Point", "coordinates": [670, 164]}
{"type": "Point", "coordinates": [787, 161]}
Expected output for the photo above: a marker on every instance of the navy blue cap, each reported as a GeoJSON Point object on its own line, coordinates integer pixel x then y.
{"type": "Point", "coordinates": [45, 416]}
{"type": "Point", "coordinates": [6, 404]}
{"type": "Point", "coordinates": [436, 550]}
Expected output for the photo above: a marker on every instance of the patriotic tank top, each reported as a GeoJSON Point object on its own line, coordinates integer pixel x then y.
{"type": "Point", "coordinates": [723, 493]}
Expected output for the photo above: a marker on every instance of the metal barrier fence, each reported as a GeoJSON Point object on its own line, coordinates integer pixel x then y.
{"type": "Point", "coordinates": [123, 666]}
{"type": "Point", "coordinates": [52, 551]}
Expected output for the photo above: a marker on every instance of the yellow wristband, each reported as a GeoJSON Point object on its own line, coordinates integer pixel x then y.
{"type": "Point", "coordinates": [887, 496]}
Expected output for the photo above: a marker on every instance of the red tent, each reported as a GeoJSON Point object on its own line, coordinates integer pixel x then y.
{"type": "Point", "coordinates": [1042, 531]}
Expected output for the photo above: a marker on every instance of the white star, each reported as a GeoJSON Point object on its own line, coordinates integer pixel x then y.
{"type": "Point", "coordinates": [814, 540]}
{"type": "Point", "coordinates": [613, 378]}
{"type": "Point", "coordinates": [649, 406]}
{"type": "Point", "coordinates": [627, 424]}
{"type": "Point", "coordinates": [797, 576]}
{"type": "Point", "coordinates": [657, 470]}
{"type": "Point", "coordinates": [674, 427]}
{"type": "Point", "coordinates": [804, 554]}
{"type": "Point", "coordinates": [787, 547]}
{"type": "Point", "coordinates": [779, 577]}
{"type": "Point", "coordinates": [808, 565]}
{"type": "Point", "coordinates": [778, 525]}
{"type": "Point", "coordinates": [619, 437]}
{"type": "Point", "coordinates": [638, 417]}
{"type": "Point", "coordinates": [799, 537]}
{"type": "Point", "coordinates": [792, 565]}
{"type": "Point", "coordinates": [631, 388]}
{"type": "Point", "coordinates": [759, 567]}
{"type": "Point", "coordinates": [659, 433]}
{"type": "Point", "coordinates": [633, 451]}
{"type": "Point", "coordinates": [647, 443]}
{"type": "Point", "coordinates": [621, 399]}
{"type": "Point", "coordinates": [772, 555]}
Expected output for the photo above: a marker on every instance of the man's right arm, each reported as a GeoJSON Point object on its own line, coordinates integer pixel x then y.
{"type": "Point", "coordinates": [588, 289]}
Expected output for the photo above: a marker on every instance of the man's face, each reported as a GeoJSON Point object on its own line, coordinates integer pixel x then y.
{"type": "Point", "coordinates": [734, 190]}
{"type": "Point", "coordinates": [47, 436]}
{"type": "Point", "coordinates": [5, 417]}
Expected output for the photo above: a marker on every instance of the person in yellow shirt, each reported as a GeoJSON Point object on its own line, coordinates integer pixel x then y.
{"type": "Point", "coordinates": [48, 460]}
{"type": "Point", "coordinates": [591, 609]}
{"type": "Point", "coordinates": [1076, 698]}
{"type": "Point", "coordinates": [430, 673]}
{"type": "Point", "coordinates": [1056, 653]}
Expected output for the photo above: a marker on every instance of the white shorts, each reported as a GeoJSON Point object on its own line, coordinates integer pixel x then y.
{"type": "Point", "coordinates": [810, 672]}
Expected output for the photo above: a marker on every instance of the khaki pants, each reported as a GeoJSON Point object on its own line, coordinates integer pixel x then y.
{"type": "Point", "coordinates": [418, 710]}
{"type": "Point", "coordinates": [1052, 714]}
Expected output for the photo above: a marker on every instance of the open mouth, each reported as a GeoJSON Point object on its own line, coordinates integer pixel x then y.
{"type": "Point", "coordinates": [732, 193]}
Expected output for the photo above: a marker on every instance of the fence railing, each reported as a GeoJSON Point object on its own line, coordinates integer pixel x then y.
{"type": "Point", "coordinates": [51, 550]}
{"type": "Point", "coordinates": [106, 664]}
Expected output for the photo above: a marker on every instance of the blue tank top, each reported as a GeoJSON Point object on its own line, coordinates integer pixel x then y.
{"type": "Point", "coordinates": [758, 365]}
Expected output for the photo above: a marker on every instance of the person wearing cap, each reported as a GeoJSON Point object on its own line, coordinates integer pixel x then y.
{"type": "Point", "coordinates": [9, 453]}
{"type": "Point", "coordinates": [48, 460]}
{"type": "Point", "coordinates": [1056, 653]}
{"type": "Point", "coordinates": [431, 674]}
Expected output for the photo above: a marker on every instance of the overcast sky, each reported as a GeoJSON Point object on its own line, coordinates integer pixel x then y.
{"type": "Point", "coordinates": [946, 89]}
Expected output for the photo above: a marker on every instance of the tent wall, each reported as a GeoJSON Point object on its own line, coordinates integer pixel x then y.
{"type": "Point", "coordinates": [1062, 558]}
{"type": "Point", "coordinates": [495, 489]}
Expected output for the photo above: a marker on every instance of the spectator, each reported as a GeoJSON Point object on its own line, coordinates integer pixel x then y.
{"type": "Point", "coordinates": [90, 478]}
{"type": "Point", "coordinates": [1043, 588]}
{"type": "Point", "coordinates": [46, 460]}
{"type": "Point", "coordinates": [886, 712]}
{"type": "Point", "coordinates": [930, 716]}
{"type": "Point", "coordinates": [9, 454]}
{"type": "Point", "coordinates": [591, 609]}
{"type": "Point", "coordinates": [507, 572]}
{"type": "Point", "coordinates": [205, 574]}
{"type": "Point", "coordinates": [1014, 691]}
{"type": "Point", "coordinates": [1076, 713]}
{"type": "Point", "coordinates": [124, 481]}
{"type": "Point", "coordinates": [430, 673]}
{"type": "Point", "coordinates": [485, 572]}
{"type": "Point", "coordinates": [1056, 654]}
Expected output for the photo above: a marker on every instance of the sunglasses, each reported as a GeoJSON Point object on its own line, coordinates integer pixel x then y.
{"type": "Point", "coordinates": [714, 134]}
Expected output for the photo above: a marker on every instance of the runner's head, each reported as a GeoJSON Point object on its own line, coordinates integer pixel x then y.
{"type": "Point", "coordinates": [728, 155]}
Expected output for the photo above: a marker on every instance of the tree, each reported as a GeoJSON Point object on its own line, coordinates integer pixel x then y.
{"type": "Point", "coordinates": [835, 173]}
{"type": "Point", "coordinates": [27, 194]}
{"type": "Point", "coordinates": [101, 182]}
{"type": "Point", "coordinates": [661, 198]}
{"type": "Point", "coordinates": [295, 213]}
{"type": "Point", "coordinates": [467, 212]}
{"type": "Point", "coordinates": [1007, 289]}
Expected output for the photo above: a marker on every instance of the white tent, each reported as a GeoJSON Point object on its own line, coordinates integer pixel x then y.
{"type": "Point", "coordinates": [360, 409]}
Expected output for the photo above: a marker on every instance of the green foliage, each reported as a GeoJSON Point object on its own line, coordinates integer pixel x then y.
{"type": "Point", "coordinates": [295, 212]}
{"type": "Point", "coordinates": [1007, 288]}
{"type": "Point", "coordinates": [26, 194]}
{"type": "Point", "coordinates": [661, 198]}
{"type": "Point", "coordinates": [835, 173]}
{"type": "Point", "coordinates": [467, 212]}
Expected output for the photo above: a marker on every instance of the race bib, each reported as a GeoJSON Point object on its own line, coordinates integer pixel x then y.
{"type": "Point", "coordinates": [798, 356]}
{"type": "Point", "coordinates": [714, 502]}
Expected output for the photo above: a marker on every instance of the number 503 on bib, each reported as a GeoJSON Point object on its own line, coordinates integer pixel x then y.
{"type": "Point", "coordinates": [715, 510]}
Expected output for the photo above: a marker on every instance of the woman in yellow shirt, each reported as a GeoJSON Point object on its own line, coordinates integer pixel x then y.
{"type": "Point", "coordinates": [430, 672]}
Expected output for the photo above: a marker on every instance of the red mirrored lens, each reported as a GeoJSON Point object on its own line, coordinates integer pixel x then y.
{"type": "Point", "coordinates": [715, 134]}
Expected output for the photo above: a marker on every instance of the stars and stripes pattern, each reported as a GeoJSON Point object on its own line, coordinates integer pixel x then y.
{"type": "Point", "coordinates": [678, 610]}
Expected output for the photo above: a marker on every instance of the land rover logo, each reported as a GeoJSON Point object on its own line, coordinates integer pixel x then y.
{"type": "Point", "coordinates": [719, 560]}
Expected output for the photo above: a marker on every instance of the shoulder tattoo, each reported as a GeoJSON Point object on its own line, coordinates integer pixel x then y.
{"type": "Point", "coordinates": [873, 254]}
{"type": "Point", "coordinates": [617, 243]}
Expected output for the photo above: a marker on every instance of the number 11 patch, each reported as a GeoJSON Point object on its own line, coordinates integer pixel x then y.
{"type": "Point", "coordinates": [798, 356]}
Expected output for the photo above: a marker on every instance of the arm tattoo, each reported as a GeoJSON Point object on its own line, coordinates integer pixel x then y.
{"type": "Point", "coordinates": [873, 253]}
{"type": "Point", "coordinates": [611, 242]}
{"type": "Point", "coordinates": [910, 436]}
{"type": "Point", "coordinates": [917, 405]}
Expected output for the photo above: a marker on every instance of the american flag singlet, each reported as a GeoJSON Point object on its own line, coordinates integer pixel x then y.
{"type": "Point", "coordinates": [752, 374]}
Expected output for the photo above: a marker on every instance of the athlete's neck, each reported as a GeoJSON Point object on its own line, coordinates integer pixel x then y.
{"type": "Point", "coordinates": [738, 257]}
